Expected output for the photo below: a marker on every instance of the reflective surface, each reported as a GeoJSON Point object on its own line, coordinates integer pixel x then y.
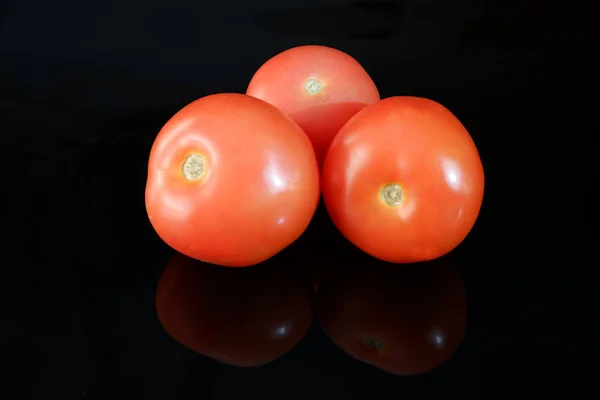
{"type": "Point", "coordinates": [244, 318]}
{"type": "Point", "coordinates": [85, 88]}
{"type": "Point", "coordinates": [405, 320]}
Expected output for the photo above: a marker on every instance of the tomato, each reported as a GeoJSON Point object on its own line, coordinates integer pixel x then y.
{"type": "Point", "coordinates": [318, 87]}
{"type": "Point", "coordinates": [231, 181]}
{"type": "Point", "coordinates": [243, 317]}
{"type": "Point", "coordinates": [403, 180]}
{"type": "Point", "coordinates": [403, 320]}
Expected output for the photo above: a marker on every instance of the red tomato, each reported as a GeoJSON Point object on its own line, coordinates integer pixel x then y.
{"type": "Point", "coordinates": [231, 181]}
{"type": "Point", "coordinates": [405, 321]}
{"type": "Point", "coordinates": [403, 180]}
{"type": "Point", "coordinates": [243, 317]}
{"type": "Point", "coordinates": [318, 87]}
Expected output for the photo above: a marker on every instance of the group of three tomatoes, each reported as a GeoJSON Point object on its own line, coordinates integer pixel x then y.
{"type": "Point", "coordinates": [233, 179]}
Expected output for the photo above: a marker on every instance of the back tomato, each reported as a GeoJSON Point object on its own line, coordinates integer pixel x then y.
{"type": "Point", "coordinates": [403, 180]}
{"type": "Point", "coordinates": [231, 181]}
{"type": "Point", "coordinates": [318, 87]}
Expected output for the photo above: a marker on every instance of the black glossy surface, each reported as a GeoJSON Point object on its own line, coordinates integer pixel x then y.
{"type": "Point", "coordinates": [85, 87]}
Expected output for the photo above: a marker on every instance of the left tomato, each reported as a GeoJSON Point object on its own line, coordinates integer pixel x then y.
{"type": "Point", "coordinates": [231, 181]}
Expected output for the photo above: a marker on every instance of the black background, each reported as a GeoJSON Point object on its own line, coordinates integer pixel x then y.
{"type": "Point", "coordinates": [85, 87]}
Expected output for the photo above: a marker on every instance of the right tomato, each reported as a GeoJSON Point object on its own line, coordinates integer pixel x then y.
{"type": "Point", "coordinates": [403, 180]}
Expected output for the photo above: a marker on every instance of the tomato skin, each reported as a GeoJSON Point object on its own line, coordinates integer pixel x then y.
{"type": "Point", "coordinates": [259, 189]}
{"type": "Point", "coordinates": [242, 317]}
{"type": "Point", "coordinates": [421, 146]}
{"type": "Point", "coordinates": [346, 89]}
{"type": "Point", "coordinates": [403, 320]}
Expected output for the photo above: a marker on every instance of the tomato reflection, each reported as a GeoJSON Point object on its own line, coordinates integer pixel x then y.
{"type": "Point", "coordinates": [242, 317]}
{"type": "Point", "coordinates": [405, 320]}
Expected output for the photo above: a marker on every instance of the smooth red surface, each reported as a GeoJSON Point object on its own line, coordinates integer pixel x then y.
{"type": "Point", "coordinates": [259, 190]}
{"type": "Point", "coordinates": [404, 320]}
{"type": "Point", "coordinates": [420, 145]}
{"type": "Point", "coordinates": [347, 88]}
{"type": "Point", "coordinates": [243, 317]}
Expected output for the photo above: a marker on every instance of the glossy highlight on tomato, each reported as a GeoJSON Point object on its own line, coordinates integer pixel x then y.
{"type": "Point", "coordinates": [319, 87]}
{"type": "Point", "coordinates": [400, 319]}
{"type": "Point", "coordinates": [403, 180]}
{"type": "Point", "coordinates": [231, 181]}
{"type": "Point", "coordinates": [243, 317]}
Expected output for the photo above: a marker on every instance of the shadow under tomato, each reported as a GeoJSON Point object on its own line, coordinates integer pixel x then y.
{"type": "Point", "coordinates": [322, 123]}
{"type": "Point", "coordinates": [239, 316]}
{"type": "Point", "coordinates": [403, 319]}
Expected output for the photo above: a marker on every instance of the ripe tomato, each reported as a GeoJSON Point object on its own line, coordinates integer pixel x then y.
{"type": "Point", "coordinates": [231, 181]}
{"type": "Point", "coordinates": [403, 180]}
{"type": "Point", "coordinates": [403, 320]}
{"type": "Point", "coordinates": [318, 87]}
{"type": "Point", "coordinates": [243, 317]}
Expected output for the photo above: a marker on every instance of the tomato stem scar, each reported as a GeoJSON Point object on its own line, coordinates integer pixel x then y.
{"type": "Point", "coordinates": [392, 194]}
{"type": "Point", "coordinates": [193, 167]}
{"type": "Point", "coordinates": [313, 86]}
